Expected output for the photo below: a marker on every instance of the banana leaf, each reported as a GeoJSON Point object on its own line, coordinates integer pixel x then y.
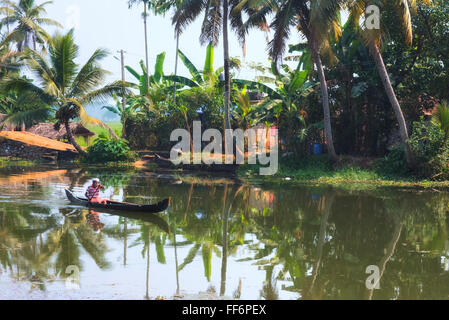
{"type": "Point", "coordinates": [159, 68]}
{"type": "Point", "coordinates": [189, 65]}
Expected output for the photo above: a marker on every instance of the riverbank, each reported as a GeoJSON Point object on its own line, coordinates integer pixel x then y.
{"type": "Point", "coordinates": [352, 173]}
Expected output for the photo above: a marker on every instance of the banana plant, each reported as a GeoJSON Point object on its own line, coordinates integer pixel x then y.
{"type": "Point", "coordinates": [156, 78]}
{"type": "Point", "coordinates": [284, 91]}
{"type": "Point", "coordinates": [243, 107]}
{"type": "Point", "coordinates": [441, 117]}
{"type": "Point", "coordinates": [289, 90]}
{"type": "Point", "coordinates": [206, 77]}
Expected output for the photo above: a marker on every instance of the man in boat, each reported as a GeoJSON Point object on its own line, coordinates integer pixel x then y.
{"type": "Point", "coordinates": [93, 192]}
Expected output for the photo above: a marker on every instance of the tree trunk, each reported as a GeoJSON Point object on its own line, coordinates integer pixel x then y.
{"type": "Point", "coordinates": [176, 66]}
{"type": "Point", "coordinates": [124, 128]}
{"type": "Point", "coordinates": [72, 139]}
{"type": "Point", "coordinates": [190, 134]}
{"type": "Point", "coordinates": [146, 41]}
{"type": "Point", "coordinates": [325, 97]}
{"type": "Point", "coordinates": [393, 100]}
{"type": "Point", "coordinates": [125, 238]}
{"type": "Point", "coordinates": [224, 255]}
{"type": "Point", "coordinates": [147, 296]}
{"type": "Point", "coordinates": [122, 54]}
{"type": "Point", "coordinates": [227, 96]}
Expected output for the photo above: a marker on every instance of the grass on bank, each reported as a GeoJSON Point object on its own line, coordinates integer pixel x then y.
{"type": "Point", "coordinates": [15, 162]}
{"type": "Point", "coordinates": [318, 169]}
{"type": "Point", "coordinates": [115, 125]}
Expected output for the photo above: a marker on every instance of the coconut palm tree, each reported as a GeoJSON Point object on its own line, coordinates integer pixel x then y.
{"type": "Point", "coordinates": [162, 7]}
{"type": "Point", "coordinates": [373, 38]}
{"type": "Point", "coordinates": [317, 21]}
{"type": "Point", "coordinates": [28, 18]}
{"type": "Point", "coordinates": [216, 20]}
{"type": "Point", "coordinates": [146, 5]}
{"type": "Point", "coordinates": [63, 85]}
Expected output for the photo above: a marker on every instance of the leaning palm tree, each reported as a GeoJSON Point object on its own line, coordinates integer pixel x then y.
{"type": "Point", "coordinates": [317, 21]}
{"type": "Point", "coordinates": [216, 18]}
{"type": "Point", "coordinates": [374, 37]}
{"type": "Point", "coordinates": [65, 86]}
{"type": "Point", "coordinates": [26, 15]}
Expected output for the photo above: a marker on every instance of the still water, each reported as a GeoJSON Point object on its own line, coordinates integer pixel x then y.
{"type": "Point", "coordinates": [218, 239]}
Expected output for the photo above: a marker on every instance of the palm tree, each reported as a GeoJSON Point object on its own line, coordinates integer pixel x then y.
{"type": "Point", "coordinates": [216, 17]}
{"type": "Point", "coordinates": [27, 15]}
{"type": "Point", "coordinates": [161, 7]}
{"type": "Point", "coordinates": [146, 4]}
{"type": "Point", "coordinates": [65, 86]}
{"type": "Point", "coordinates": [317, 21]}
{"type": "Point", "coordinates": [373, 38]}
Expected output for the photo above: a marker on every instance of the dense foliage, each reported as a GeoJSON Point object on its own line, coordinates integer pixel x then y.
{"type": "Point", "coordinates": [430, 145]}
{"type": "Point", "coordinates": [107, 149]}
{"type": "Point", "coordinates": [349, 106]}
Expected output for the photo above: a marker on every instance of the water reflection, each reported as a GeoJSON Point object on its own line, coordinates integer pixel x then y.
{"type": "Point", "coordinates": [223, 240]}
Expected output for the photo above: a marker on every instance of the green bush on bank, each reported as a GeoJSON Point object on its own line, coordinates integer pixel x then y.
{"type": "Point", "coordinates": [394, 164]}
{"type": "Point", "coordinates": [430, 146]}
{"type": "Point", "coordinates": [107, 149]}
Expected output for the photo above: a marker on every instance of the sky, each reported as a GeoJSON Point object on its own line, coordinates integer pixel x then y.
{"type": "Point", "coordinates": [110, 24]}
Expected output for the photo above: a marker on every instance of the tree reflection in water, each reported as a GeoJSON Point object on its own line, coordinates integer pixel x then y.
{"type": "Point", "coordinates": [310, 242]}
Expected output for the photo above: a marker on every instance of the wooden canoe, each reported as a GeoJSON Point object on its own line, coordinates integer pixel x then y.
{"type": "Point", "coordinates": [115, 205]}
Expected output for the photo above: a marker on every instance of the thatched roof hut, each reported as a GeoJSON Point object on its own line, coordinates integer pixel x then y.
{"type": "Point", "coordinates": [48, 130]}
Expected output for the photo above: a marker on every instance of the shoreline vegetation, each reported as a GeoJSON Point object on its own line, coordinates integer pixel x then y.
{"type": "Point", "coordinates": [314, 171]}
{"type": "Point", "coordinates": [341, 90]}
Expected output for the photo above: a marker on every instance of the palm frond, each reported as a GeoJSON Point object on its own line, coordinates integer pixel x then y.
{"type": "Point", "coordinates": [190, 256]}
{"type": "Point", "coordinates": [212, 23]}
{"type": "Point", "coordinates": [90, 76]}
{"type": "Point", "coordinates": [49, 22]}
{"type": "Point", "coordinates": [63, 53]}
{"type": "Point", "coordinates": [24, 86]}
{"type": "Point", "coordinates": [103, 94]}
{"type": "Point", "coordinates": [284, 19]}
{"type": "Point", "coordinates": [28, 117]}
{"type": "Point", "coordinates": [186, 13]}
{"type": "Point", "coordinates": [43, 71]}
